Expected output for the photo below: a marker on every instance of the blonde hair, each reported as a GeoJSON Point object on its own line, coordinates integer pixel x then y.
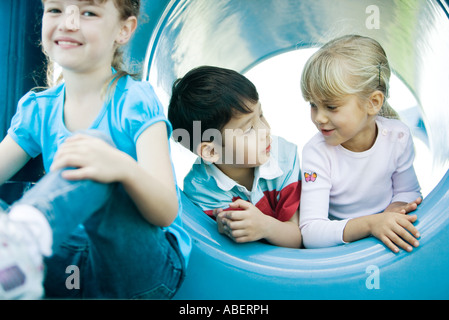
{"type": "Point", "coordinates": [126, 9]}
{"type": "Point", "coordinates": [349, 65]}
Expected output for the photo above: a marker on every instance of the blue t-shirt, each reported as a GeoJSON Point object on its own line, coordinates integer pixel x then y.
{"type": "Point", "coordinates": [38, 127]}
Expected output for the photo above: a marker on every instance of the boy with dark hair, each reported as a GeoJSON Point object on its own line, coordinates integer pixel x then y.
{"type": "Point", "coordinates": [247, 179]}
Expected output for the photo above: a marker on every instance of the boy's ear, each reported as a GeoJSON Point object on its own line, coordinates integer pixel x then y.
{"type": "Point", "coordinates": [206, 150]}
{"type": "Point", "coordinates": [376, 101]}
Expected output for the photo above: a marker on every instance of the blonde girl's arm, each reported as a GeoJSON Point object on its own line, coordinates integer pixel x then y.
{"type": "Point", "coordinates": [317, 230]}
{"type": "Point", "coordinates": [149, 181]}
{"type": "Point", "coordinates": [404, 207]}
{"type": "Point", "coordinates": [392, 228]}
{"type": "Point", "coordinates": [12, 159]}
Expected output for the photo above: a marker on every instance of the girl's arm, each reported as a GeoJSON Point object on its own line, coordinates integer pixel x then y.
{"type": "Point", "coordinates": [149, 181]}
{"type": "Point", "coordinates": [317, 230]}
{"type": "Point", "coordinates": [406, 187]}
{"type": "Point", "coordinates": [404, 207]}
{"type": "Point", "coordinates": [12, 159]}
{"type": "Point", "coordinates": [392, 228]}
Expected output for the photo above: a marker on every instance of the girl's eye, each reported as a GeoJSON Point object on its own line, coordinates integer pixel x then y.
{"type": "Point", "coordinates": [89, 14]}
{"type": "Point", "coordinates": [332, 108]}
{"type": "Point", "coordinates": [53, 10]}
{"type": "Point", "coordinates": [312, 105]}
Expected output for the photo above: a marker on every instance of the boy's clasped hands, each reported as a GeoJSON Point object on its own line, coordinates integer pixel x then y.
{"type": "Point", "coordinates": [242, 222]}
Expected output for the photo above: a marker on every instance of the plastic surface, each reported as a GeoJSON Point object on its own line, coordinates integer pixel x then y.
{"type": "Point", "coordinates": [221, 269]}
{"type": "Point", "coordinates": [240, 34]}
{"type": "Point", "coordinates": [181, 34]}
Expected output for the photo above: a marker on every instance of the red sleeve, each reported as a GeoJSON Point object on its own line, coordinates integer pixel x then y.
{"type": "Point", "coordinates": [284, 208]}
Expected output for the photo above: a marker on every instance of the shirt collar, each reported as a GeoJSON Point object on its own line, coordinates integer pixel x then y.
{"type": "Point", "coordinates": [268, 171]}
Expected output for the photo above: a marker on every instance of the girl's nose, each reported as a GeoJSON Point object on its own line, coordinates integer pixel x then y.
{"type": "Point", "coordinates": [71, 20]}
{"type": "Point", "coordinates": [320, 117]}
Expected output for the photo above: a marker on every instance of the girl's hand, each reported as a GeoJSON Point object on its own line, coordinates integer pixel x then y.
{"type": "Point", "coordinates": [243, 224]}
{"type": "Point", "coordinates": [403, 207]}
{"type": "Point", "coordinates": [91, 158]}
{"type": "Point", "coordinates": [395, 229]}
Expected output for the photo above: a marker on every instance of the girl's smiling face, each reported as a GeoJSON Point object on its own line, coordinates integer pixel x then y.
{"type": "Point", "coordinates": [348, 122]}
{"type": "Point", "coordinates": [81, 35]}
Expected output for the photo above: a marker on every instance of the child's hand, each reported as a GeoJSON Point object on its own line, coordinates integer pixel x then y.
{"type": "Point", "coordinates": [395, 229]}
{"type": "Point", "coordinates": [403, 207]}
{"type": "Point", "coordinates": [243, 224]}
{"type": "Point", "coordinates": [219, 218]}
{"type": "Point", "coordinates": [92, 159]}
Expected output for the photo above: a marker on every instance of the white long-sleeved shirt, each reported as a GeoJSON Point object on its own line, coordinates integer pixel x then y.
{"type": "Point", "coordinates": [339, 184]}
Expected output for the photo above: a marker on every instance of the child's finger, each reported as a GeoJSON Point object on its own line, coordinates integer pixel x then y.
{"type": "Point", "coordinates": [410, 229]}
{"type": "Point", "coordinates": [407, 239]}
{"type": "Point", "coordinates": [235, 224]}
{"type": "Point", "coordinates": [412, 218]}
{"type": "Point", "coordinates": [65, 161]}
{"type": "Point", "coordinates": [235, 215]}
{"type": "Point", "coordinates": [239, 203]}
{"type": "Point", "coordinates": [216, 212]}
{"type": "Point", "coordinates": [411, 207]}
{"type": "Point", "coordinates": [77, 174]}
{"type": "Point", "coordinates": [220, 226]}
{"type": "Point", "coordinates": [400, 242]}
{"type": "Point", "coordinates": [236, 234]}
{"type": "Point", "coordinates": [389, 244]}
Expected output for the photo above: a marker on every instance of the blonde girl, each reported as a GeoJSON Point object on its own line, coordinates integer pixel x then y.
{"type": "Point", "coordinates": [108, 205]}
{"type": "Point", "coordinates": [358, 170]}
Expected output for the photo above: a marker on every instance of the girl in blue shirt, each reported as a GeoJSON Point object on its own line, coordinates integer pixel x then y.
{"type": "Point", "coordinates": [105, 217]}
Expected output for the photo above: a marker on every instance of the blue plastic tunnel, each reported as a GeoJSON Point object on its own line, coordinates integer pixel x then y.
{"type": "Point", "coordinates": [239, 34]}
{"type": "Point", "coordinates": [177, 35]}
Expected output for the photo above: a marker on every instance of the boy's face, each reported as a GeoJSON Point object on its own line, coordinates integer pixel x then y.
{"type": "Point", "coordinates": [246, 139]}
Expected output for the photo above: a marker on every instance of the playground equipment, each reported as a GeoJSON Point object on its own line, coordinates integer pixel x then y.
{"type": "Point", "coordinates": [177, 35]}
{"type": "Point", "coordinates": [239, 35]}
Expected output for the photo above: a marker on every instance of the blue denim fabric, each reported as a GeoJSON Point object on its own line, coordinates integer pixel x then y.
{"type": "Point", "coordinates": [98, 230]}
{"type": "Point", "coordinates": [3, 206]}
{"type": "Point", "coordinates": [117, 252]}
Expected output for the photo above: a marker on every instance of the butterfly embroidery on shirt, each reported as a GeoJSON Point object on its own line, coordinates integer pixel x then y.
{"type": "Point", "coordinates": [310, 176]}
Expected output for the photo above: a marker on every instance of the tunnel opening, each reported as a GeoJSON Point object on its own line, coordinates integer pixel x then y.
{"type": "Point", "coordinates": [245, 36]}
